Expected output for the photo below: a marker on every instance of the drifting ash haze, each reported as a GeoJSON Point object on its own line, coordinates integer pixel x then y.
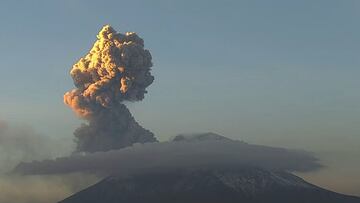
{"type": "Point", "coordinates": [21, 143]}
{"type": "Point", "coordinates": [116, 69]}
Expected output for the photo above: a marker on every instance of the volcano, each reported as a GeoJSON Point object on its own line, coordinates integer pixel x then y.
{"type": "Point", "coordinates": [246, 185]}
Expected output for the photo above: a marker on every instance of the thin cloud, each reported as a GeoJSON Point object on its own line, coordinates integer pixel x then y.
{"type": "Point", "coordinates": [175, 155]}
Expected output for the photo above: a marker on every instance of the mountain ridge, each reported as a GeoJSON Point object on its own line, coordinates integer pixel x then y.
{"type": "Point", "coordinates": [246, 184]}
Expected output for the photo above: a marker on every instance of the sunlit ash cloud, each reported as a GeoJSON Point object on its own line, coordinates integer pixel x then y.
{"type": "Point", "coordinates": [116, 69]}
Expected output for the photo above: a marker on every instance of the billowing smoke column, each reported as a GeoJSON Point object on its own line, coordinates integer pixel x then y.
{"type": "Point", "coordinates": [116, 69]}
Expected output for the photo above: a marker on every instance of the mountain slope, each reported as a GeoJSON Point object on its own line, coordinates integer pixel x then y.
{"type": "Point", "coordinates": [208, 186]}
{"type": "Point", "coordinates": [198, 137]}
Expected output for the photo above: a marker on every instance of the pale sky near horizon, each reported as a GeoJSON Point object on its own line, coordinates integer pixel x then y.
{"type": "Point", "coordinates": [281, 73]}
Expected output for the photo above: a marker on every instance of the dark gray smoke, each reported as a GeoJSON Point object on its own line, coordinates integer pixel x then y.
{"type": "Point", "coordinates": [116, 69]}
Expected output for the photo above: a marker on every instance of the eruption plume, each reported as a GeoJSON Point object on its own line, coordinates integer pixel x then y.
{"type": "Point", "coordinates": [116, 69]}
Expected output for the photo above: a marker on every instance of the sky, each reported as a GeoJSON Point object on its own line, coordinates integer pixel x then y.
{"type": "Point", "coordinates": [279, 73]}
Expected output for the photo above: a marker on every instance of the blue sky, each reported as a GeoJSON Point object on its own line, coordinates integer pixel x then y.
{"type": "Point", "coordinates": [283, 73]}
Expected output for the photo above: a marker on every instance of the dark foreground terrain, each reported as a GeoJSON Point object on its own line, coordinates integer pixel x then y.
{"type": "Point", "coordinates": [246, 185]}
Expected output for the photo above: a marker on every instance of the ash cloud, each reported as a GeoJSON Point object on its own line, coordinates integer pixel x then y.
{"type": "Point", "coordinates": [116, 69]}
{"type": "Point", "coordinates": [20, 143]}
{"type": "Point", "coordinates": [42, 189]}
{"type": "Point", "coordinates": [155, 157]}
